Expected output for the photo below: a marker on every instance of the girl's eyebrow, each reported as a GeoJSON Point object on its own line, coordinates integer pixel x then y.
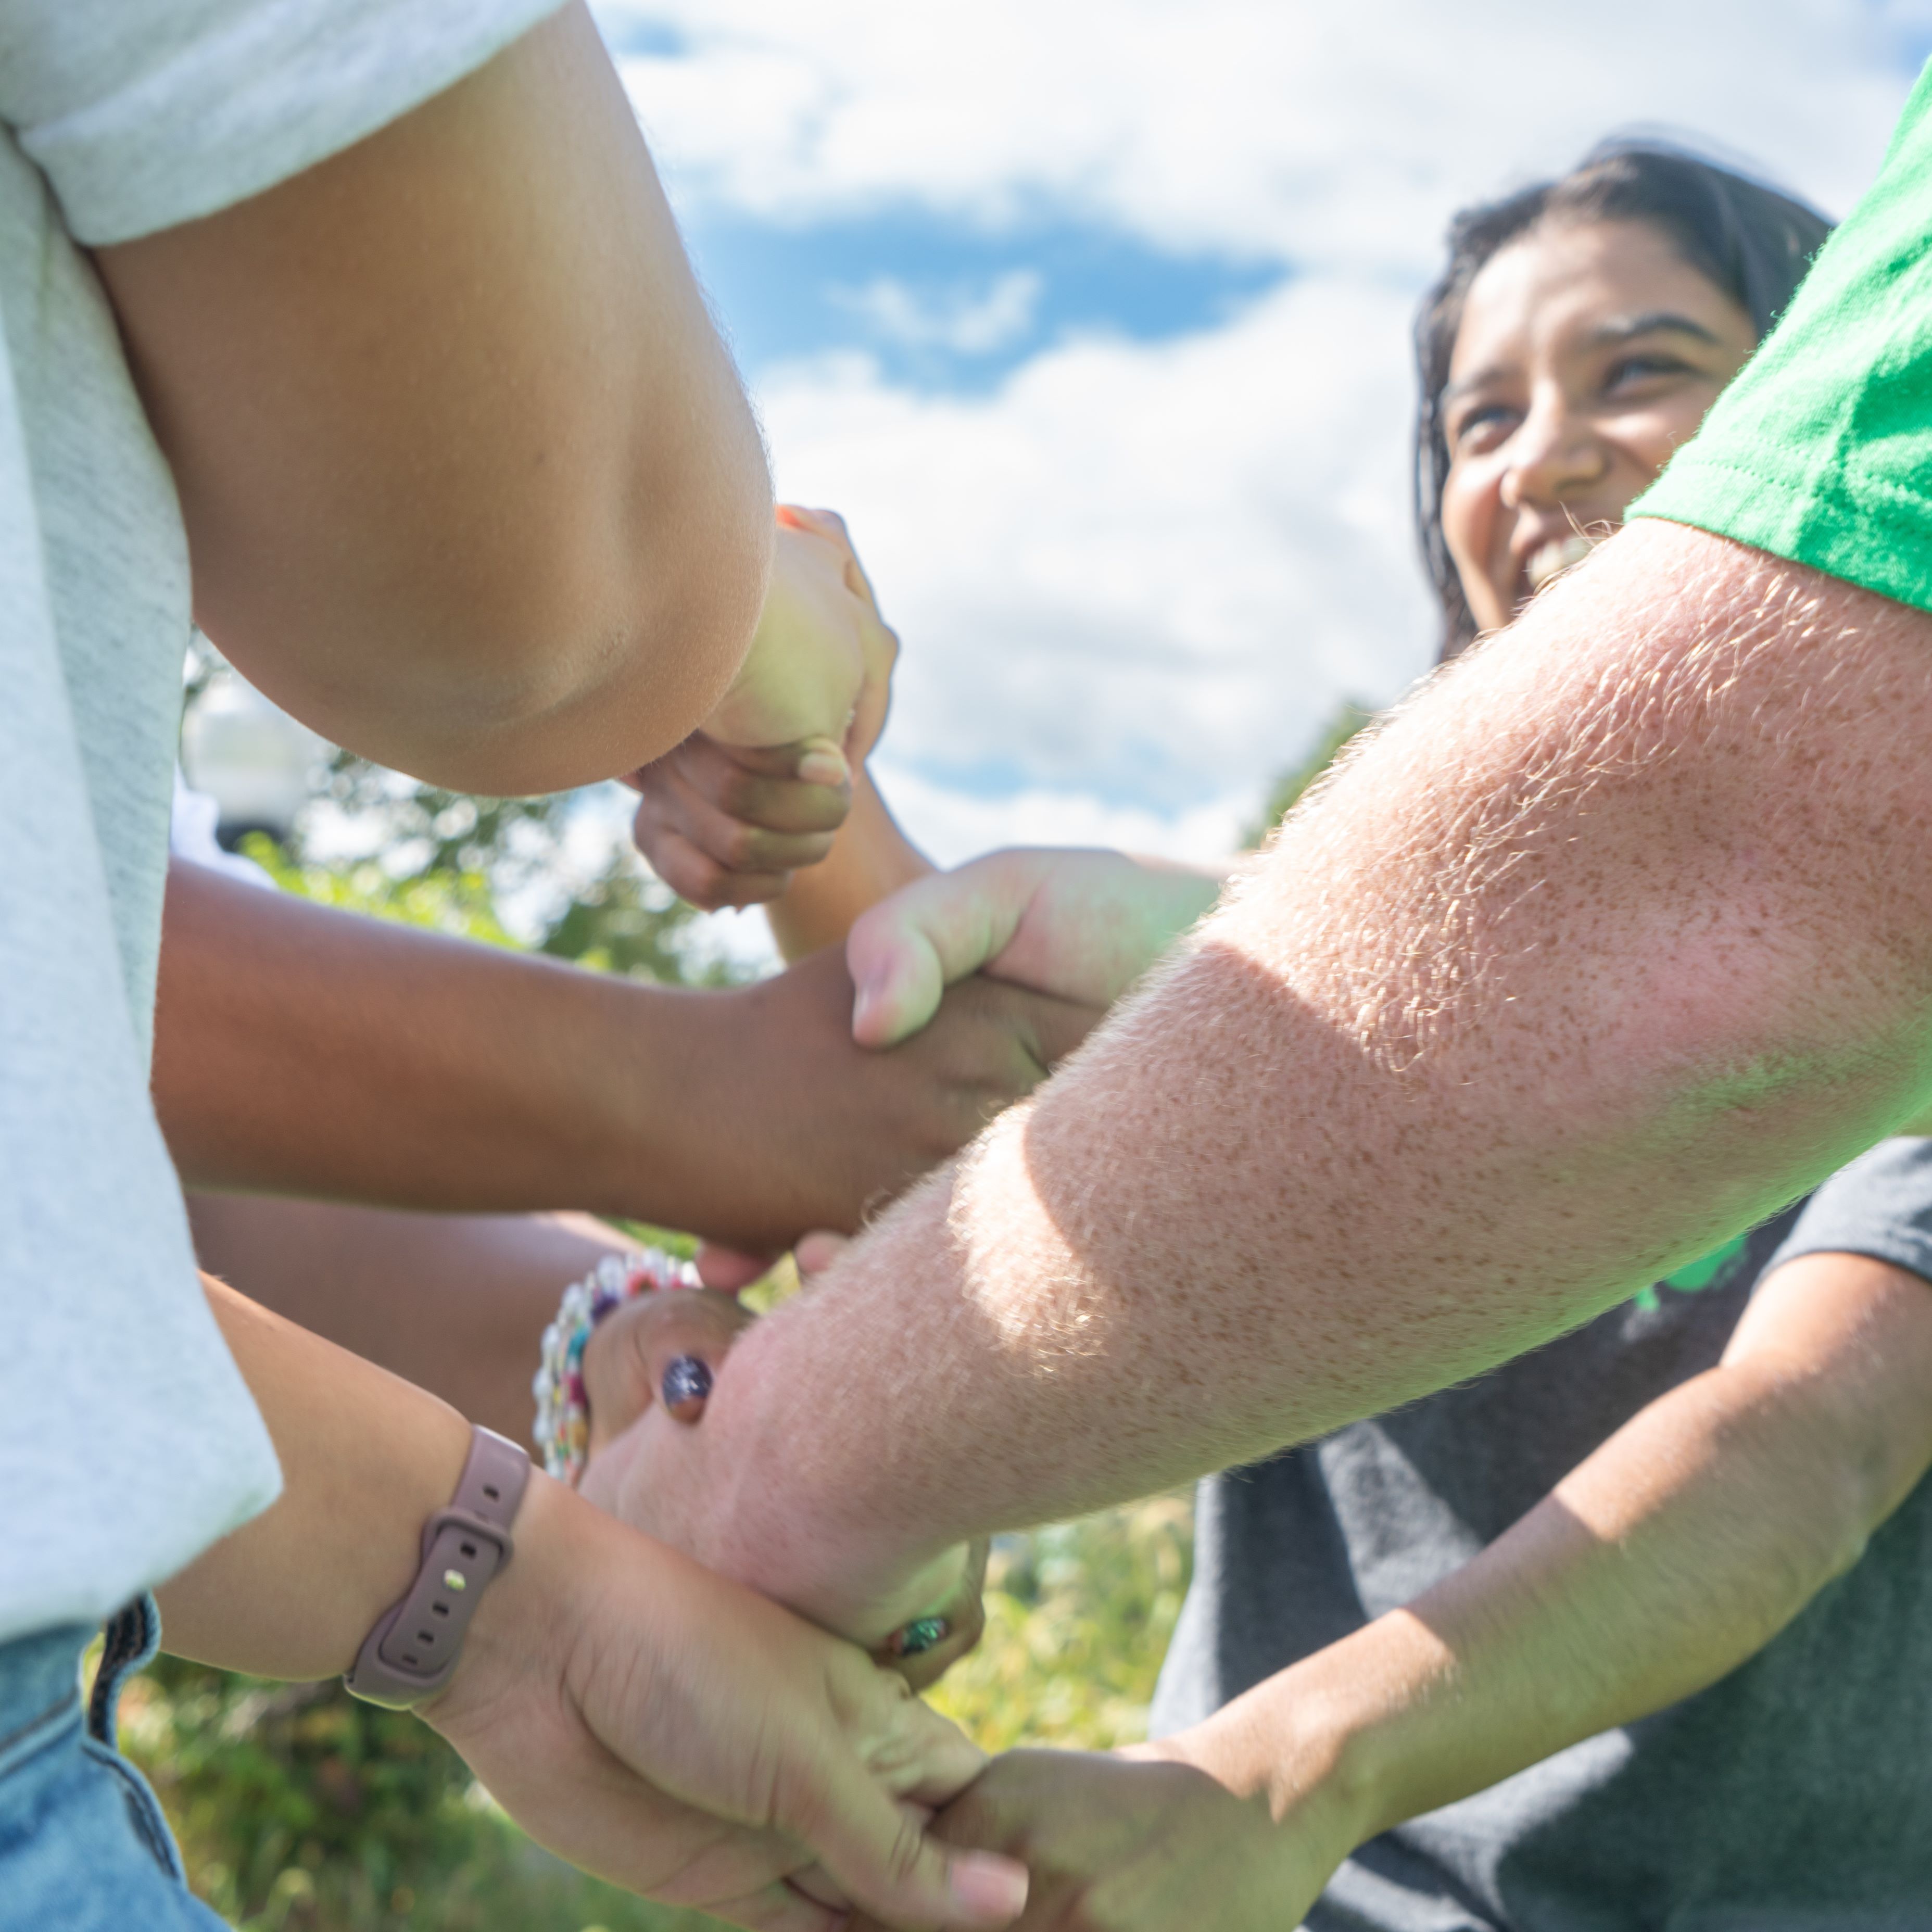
{"type": "Point", "coordinates": [1623, 328]}
{"type": "Point", "coordinates": [1478, 379]}
{"type": "Point", "coordinates": [1605, 334]}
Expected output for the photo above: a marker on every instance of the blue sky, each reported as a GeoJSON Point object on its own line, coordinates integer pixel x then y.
{"type": "Point", "coordinates": [947, 305]}
{"type": "Point", "coordinates": [1091, 318]}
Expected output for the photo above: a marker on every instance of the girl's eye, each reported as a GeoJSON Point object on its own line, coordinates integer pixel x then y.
{"type": "Point", "coordinates": [1634, 369]}
{"type": "Point", "coordinates": [1483, 426]}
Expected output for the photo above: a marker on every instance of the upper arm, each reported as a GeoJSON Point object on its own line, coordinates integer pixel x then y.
{"type": "Point", "coordinates": [470, 483]}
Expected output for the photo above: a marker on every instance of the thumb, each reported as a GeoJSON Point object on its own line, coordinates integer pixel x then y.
{"type": "Point", "coordinates": [904, 952]}
{"type": "Point", "coordinates": [880, 1854]}
{"type": "Point", "coordinates": [631, 1351]}
{"type": "Point", "coordinates": [816, 1251]}
{"type": "Point", "coordinates": [899, 977]}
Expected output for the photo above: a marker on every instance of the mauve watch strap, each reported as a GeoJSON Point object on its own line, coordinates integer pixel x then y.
{"type": "Point", "coordinates": [414, 1646]}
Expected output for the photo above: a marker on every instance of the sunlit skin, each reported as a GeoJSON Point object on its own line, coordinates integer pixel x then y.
{"type": "Point", "coordinates": [1588, 352]}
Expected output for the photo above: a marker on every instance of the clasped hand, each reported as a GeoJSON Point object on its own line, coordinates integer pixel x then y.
{"type": "Point", "coordinates": [1145, 1840]}
{"type": "Point", "coordinates": [726, 816]}
{"type": "Point", "coordinates": [636, 1470]}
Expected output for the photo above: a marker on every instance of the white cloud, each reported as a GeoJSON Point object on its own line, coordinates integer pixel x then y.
{"type": "Point", "coordinates": [1296, 128]}
{"type": "Point", "coordinates": [1140, 572]}
{"type": "Point", "coordinates": [1132, 579]}
{"type": "Point", "coordinates": [949, 826]}
{"type": "Point", "coordinates": [957, 320]}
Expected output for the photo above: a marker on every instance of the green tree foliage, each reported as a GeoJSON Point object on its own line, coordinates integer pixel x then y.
{"type": "Point", "coordinates": [1078, 1619]}
{"type": "Point", "coordinates": [447, 860]}
{"type": "Point", "coordinates": [300, 1810]}
{"type": "Point", "coordinates": [1343, 724]}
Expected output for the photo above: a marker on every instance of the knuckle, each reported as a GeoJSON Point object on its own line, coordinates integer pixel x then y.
{"type": "Point", "coordinates": [741, 848]}
{"type": "Point", "coordinates": [908, 1850]}
{"type": "Point", "coordinates": [739, 792]}
{"type": "Point", "coordinates": [702, 880]}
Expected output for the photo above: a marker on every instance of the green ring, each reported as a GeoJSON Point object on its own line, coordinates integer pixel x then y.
{"type": "Point", "coordinates": [922, 1634]}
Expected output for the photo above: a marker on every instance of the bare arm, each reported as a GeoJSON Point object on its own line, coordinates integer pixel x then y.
{"type": "Point", "coordinates": [456, 1304]}
{"type": "Point", "coordinates": [1662, 1561]}
{"type": "Point", "coordinates": [1618, 937]}
{"type": "Point", "coordinates": [1679, 1549]}
{"type": "Point", "coordinates": [645, 1720]}
{"type": "Point", "coordinates": [870, 860]}
{"type": "Point", "coordinates": [300, 1050]}
{"type": "Point", "coordinates": [470, 483]}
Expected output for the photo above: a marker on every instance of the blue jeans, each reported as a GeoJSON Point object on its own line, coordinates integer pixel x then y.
{"type": "Point", "coordinates": [83, 1846]}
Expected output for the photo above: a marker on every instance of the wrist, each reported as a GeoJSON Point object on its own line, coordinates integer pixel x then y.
{"type": "Point", "coordinates": [366, 1460]}
{"type": "Point", "coordinates": [708, 1492]}
{"type": "Point", "coordinates": [1301, 1745]}
{"type": "Point", "coordinates": [638, 1157]}
{"type": "Point", "coordinates": [413, 1649]}
{"type": "Point", "coordinates": [521, 1637]}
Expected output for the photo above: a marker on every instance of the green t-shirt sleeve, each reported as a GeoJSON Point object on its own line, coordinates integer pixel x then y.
{"type": "Point", "coordinates": [1821, 450]}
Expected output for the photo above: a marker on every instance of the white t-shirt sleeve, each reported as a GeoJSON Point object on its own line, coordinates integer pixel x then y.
{"type": "Point", "coordinates": [144, 114]}
{"type": "Point", "coordinates": [128, 1441]}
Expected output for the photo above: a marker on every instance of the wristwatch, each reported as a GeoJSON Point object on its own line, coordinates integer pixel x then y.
{"type": "Point", "coordinates": [413, 1649]}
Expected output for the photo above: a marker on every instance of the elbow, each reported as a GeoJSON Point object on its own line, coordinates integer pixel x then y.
{"type": "Point", "coordinates": [1838, 1479]}
{"type": "Point", "coordinates": [566, 637]}
{"type": "Point", "coordinates": [603, 649]}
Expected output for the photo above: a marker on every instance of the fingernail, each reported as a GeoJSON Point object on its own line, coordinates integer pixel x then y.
{"type": "Point", "coordinates": [991, 1889]}
{"type": "Point", "coordinates": [687, 1383]}
{"type": "Point", "coordinates": [824, 764]}
{"type": "Point", "coordinates": [865, 1003]}
{"type": "Point", "coordinates": [922, 1634]}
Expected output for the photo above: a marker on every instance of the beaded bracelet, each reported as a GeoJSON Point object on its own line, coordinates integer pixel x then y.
{"type": "Point", "coordinates": [563, 1413]}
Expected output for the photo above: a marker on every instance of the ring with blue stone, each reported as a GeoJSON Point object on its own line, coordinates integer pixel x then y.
{"type": "Point", "coordinates": [686, 1385]}
{"type": "Point", "coordinates": [922, 1634]}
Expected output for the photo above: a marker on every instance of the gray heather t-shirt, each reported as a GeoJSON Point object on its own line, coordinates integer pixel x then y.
{"type": "Point", "coordinates": [127, 1440]}
{"type": "Point", "coordinates": [1794, 1794]}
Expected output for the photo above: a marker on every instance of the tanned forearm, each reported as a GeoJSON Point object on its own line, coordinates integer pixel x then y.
{"type": "Point", "coordinates": [456, 1304]}
{"type": "Point", "coordinates": [870, 859]}
{"type": "Point", "coordinates": [366, 1461]}
{"type": "Point", "coordinates": [423, 1073]}
{"type": "Point", "coordinates": [1619, 936]}
{"type": "Point", "coordinates": [1665, 1559]}
{"type": "Point", "coordinates": [300, 1050]}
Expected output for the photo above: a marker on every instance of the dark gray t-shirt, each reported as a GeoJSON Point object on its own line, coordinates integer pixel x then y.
{"type": "Point", "coordinates": [1794, 1794]}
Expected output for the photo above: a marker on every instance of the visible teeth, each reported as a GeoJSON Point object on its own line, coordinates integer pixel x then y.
{"type": "Point", "coordinates": [1556, 555]}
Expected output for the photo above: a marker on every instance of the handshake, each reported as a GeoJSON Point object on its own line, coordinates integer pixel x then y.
{"type": "Point", "coordinates": [799, 1783]}
{"type": "Point", "coordinates": [1147, 1839]}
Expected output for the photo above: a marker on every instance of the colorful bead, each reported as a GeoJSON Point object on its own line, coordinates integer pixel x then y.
{"type": "Point", "coordinates": [562, 1430]}
{"type": "Point", "coordinates": [687, 1384]}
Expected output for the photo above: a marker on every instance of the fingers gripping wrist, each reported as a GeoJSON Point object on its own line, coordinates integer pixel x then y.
{"type": "Point", "coordinates": [878, 1848]}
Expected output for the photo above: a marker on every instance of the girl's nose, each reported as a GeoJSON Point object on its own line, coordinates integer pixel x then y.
{"type": "Point", "coordinates": [1553, 455]}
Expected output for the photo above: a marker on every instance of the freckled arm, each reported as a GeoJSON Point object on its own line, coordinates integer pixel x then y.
{"type": "Point", "coordinates": [1618, 937]}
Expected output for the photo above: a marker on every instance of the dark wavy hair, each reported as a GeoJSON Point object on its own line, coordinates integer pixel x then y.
{"type": "Point", "coordinates": [1752, 240]}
